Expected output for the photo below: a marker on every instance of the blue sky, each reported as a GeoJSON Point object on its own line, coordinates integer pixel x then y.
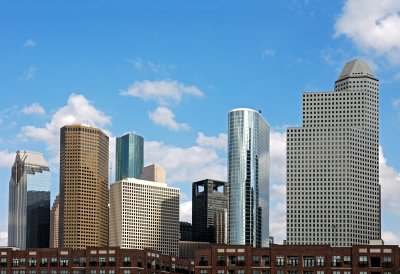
{"type": "Point", "coordinates": [171, 70]}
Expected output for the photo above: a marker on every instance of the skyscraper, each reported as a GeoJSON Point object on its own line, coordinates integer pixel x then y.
{"type": "Point", "coordinates": [29, 201]}
{"type": "Point", "coordinates": [55, 223]}
{"type": "Point", "coordinates": [129, 156]}
{"type": "Point", "coordinates": [208, 197]}
{"type": "Point", "coordinates": [333, 191]}
{"type": "Point", "coordinates": [83, 187]}
{"type": "Point", "coordinates": [154, 173]}
{"type": "Point", "coordinates": [248, 178]}
{"type": "Point", "coordinates": [144, 214]}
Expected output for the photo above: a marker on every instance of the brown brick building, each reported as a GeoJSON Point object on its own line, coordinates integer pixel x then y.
{"type": "Point", "coordinates": [91, 260]}
{"type": "Point", "coordinates": [289, 259]}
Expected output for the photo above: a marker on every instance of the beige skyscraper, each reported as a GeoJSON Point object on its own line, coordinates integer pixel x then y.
{"type": "Point", "coordinates": [55, 223]}
{"type": "Point", "coordinates": [144, 214]}
{"type": "Point", "coordinates": [154, 173]}
{"type": "Point", "coordinates": [83, 187]}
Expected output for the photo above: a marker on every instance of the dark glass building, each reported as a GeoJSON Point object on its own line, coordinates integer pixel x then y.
{"type": "Point", "coordinates": [129, 156]}
{"type": "Point", "coordinates": [186, 231]}
{"type": "Point", "coordinates": [29, 202]}
{"type": "Point", "coordinates": [208, 198]}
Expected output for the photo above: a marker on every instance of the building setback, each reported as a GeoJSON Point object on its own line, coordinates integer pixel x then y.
{"type": "Point", "coordinates": [208, 198]}
{"type": "Point", "coordinates": [83, 187]}
{"type": "Point", "coordinates": [144, 214]}
{"type": "Point", "coordinates": [128, 156]}
{"type": "Point", "coordinates": [298, 259]}
{"type": "Point", "coordinates": [55, 222]}
{"type": "Point", "coordinates": [333, 191]}
{"type": "Point", "coordinates": [248, 178]}
{"type": "Point", "coordinates": [154, 173]}
{"type": "Point", "coordinates": [29, 201]}
{"type": "Point", "coordinates": [107, 260]}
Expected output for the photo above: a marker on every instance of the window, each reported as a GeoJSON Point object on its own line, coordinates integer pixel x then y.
{"type": "Point", "coordinates": [308, 261]}
{"type": "Point", "coordinates": [203, 271]}
{"type": "Point", "coordinates": [347, 260]}
{"type": "Point", "coordinates": [387, 261]}
{"type": "Point", "coordinates": [64, 262]}
{"type": "Point", "coordinates": [32, 262]}
{"type": "Point", "coordinates": [102, 271]}
{"type": "Point", "coordinates": [111, 271]}
{"type": "Point", "coordinates": [43, 262]}
{"type": "Point", "coordinates": [336, 261]}
{"type": "Point", "coordinates": [92, 271]}
{"type": "Point", "coordinates": [256, 259]}
{"type": "Point", "coordinates": [240, 260]}
{"type": "Point", "coordinates": [320, 272]}
{"type": "Point", "coordinates": [363, 261]}
{"type": "Point", "coordinates": [265, 260]}
{"type": "Point", "coordinates": [256, 271]}
{"type": "Point", "coordinates": [240, 271]}
{"type": "Point", "coordinates": [221, 271]}
{"type": "Point", "coordinates": [335, 272]}
{"type": "Point", "coordinates": [280, 260]}
{"type": "Point", "coordinates": [280, 272]}
{"type": "Point", "coordinates": [203, 260]}
{"type": "Point", "coordinates": [292, 261]}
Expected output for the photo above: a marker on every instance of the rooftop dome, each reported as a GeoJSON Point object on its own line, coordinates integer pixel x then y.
{"type": "Point", "coordinates": [356, 68]}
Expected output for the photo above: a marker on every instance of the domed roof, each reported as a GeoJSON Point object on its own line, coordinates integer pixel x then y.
{"type": "Point", "coordinates": [355, 68]}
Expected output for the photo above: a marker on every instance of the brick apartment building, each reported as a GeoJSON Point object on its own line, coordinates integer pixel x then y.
{"type": "Point", "coordinates": [96, 260]}
{"type": "Point", "coordinates": [290, 259]}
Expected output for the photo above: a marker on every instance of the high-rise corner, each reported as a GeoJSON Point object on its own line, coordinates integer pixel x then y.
{"type": "Point", "coordinates": [84, 156]}
{"type": "Point", "coordinates": [129, 156]}
{"type": "Point", "coordinates": [333, 190]}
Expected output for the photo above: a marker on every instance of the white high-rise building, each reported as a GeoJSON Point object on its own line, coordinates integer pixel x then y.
{"type": "Point", "coordinates": [154, 173]}
{"type": "Point", "coordinates": [333, 191]}
{"type": "Point", "coordinates": [144, 214]}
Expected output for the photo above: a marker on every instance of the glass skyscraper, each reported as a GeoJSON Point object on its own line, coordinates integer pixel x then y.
{"type": "Point", "coordinates": [248, 178]}
{"type": "Point", "coordinates": [29, 202]}
{"type": "Point", "coordinates": [129, 156]}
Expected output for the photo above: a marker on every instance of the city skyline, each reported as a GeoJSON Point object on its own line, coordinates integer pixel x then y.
{"type": "Point", "coordinates": [60, 68]}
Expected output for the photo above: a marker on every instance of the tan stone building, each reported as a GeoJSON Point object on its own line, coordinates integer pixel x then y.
{"type": "Point", "coordinates": [55, 222]}
{"type": "Point", "coordinates": [83, 187]}
{"type": "Point", "coordinates": [154, 173]}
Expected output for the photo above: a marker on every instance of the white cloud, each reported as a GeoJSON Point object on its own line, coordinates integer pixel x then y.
{"type": "Point", "coordinates": [29, 43]}
{"type": "Point", "coordinates": [186, 164]}
{"type": "Point", "coordinates": [6, 159]}
{"type": "Point", "coordinates": [390, 238]}
{"type": "Point", "coordinates": [29, 74]}
{"type": "Point", "coordinates": [396, 103]}
{"type": "Point", "coordinates": [142, 65]}
{"type": "Point", "coordinates": [185, 211]}
{"type": "Point", "coordinates": [3, 238]}
{"type": "Point", "coordinates": [374, 26]}
{"type": "Point", "coordinates": [267, 53]}
{"type": "Point", "coordinates": [164, 92]}
{"type": "Point", "coordinates": [78, 110]}
{"type": "Point", "coordinates": [219, 142]}
{"type": "Point", "coordinates": [278, 156]}
{"type": "Point", "coordinates": [389, 179]}
{"type": "Point", "coordinates": [163, 116]}
{"type": "Point", "coordinates": [35, 108]}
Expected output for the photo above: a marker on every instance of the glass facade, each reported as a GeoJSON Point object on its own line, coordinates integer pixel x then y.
{"type": "Point", "coordinates": [248, 178]}
{"type": "Point", "coordinates": [29, 202]}
{"type": "Point", "coordinates": [129, 156]}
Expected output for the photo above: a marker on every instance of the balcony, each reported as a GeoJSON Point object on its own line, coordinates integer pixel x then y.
{"type": "Point", "coordinates": [102, 264]}
{"type": "Point", "coordinates": [3, 264]}
{"type": "Point", "coordinates": [336, 264]}
{"type": "Point", "coordinates": [240, 263]}
{"type": "Point", "coordinates": [126, 263]}
{"type": "Point", "coordinates": [203, 262]}
{"type": "Point", "coordinates": [387, 265]}
{"type": "Point", "coordinates": [43, 264]}
{"type": "Point", "coordinates": [139, 264]}
{"type": "Point", "coordinates": [93, 263]}
{"type": "Point", "coordinates": [362, 264]}
{"type": "Point", "coordinates": [53, 264]}
{"type": "Point", "coordinates": [111, 263]}
{"type": "Point", "coordinates": [221, 262]}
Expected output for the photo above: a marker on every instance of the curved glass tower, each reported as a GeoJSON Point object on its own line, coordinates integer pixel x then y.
{"type": "Point", "coordinates": [29, 201]}
{"type": "Point", "coordinates": [248, 178]}
{"type": "Point", "coordinates": [129, 156]}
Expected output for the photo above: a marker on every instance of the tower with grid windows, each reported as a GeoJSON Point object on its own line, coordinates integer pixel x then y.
{"type": "Point", "coordinates": [333, 190]}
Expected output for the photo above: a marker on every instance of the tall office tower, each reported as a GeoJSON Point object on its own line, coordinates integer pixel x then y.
{"type": "Point", "coordinates": [208, 196]}
{"type": "Point", "coordinates": [186, 231]}
{"type": "Point", "coordinates": [144, 214]}
{"type": "Point", "coordinates": [248, 178]}
{"type": "Point", "coordinates": [221, 226]}
{"type": "Point", "coordinates": [333, 191]}
{"type": "Point", "coordinates": [29, 201]}
{"type": "Point", "coordinates": [83, 187]}
{"type": "Point", "coordinates": [154, 173]}
{"type": "Point", "coordinates": [55, 222]}
{"type": "Point", "coordinates": [129, 156]}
